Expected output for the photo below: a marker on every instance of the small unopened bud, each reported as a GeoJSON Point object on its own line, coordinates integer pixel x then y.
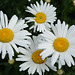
{"type": "Point", "coordinates": [11, 61]}
{"type": "Point", "coordinates": [60, 72]}
{"type": "Point", "coordinates": [48, 1]}
{"type": "Point", "coordinates": [74, 2]}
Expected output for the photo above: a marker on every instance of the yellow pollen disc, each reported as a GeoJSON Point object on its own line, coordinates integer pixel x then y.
{"type": "Point", "coordinates": [6, 35]}
{"type": "Point", "coordinates": [61, 44]}
{"type": "Point", "coordinates": [40, 17]}
{"type": "Point", "coordinates": [37, 58]}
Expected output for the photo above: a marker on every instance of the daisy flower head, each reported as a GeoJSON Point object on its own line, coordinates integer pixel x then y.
{"type": "Point", "coordinates": [44, 14]}
{"type": "Point", "coordinates": [32, 59]}
{"type": "Point", "coordinates": [60, 45]}
{"type": "Point", "coordinates": [12, 33]}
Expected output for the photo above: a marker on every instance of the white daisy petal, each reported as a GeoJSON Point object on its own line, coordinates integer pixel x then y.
{"type": "Point", "coordinates": [46, 68]}
{"type": "Point", "coordinates": [43, 46]}
{"type": "Point", "coordinates": [50, 35]}
{"type": "Point", "coordinates": [54, 30]}
{"type": "Point", "coordinates": [6, 20]}
{"type": "Point", "coordinates": [2, 19]}
{"type": "Point", "coordinates": [61, 59]}
{"type": "Point", "coordinates": [42, 68]}
{"type": "Point", "coordinates": [59, 65]}
{"type": "Point", "coordinates": [30, 69]}
{"type": "Point", "coordinates": [34, 68]}
{"type": "Point", "coordinates": [41, 2]}
{"type": "Point", "coordinates": [72, 42]}
{"type": "Point", "coordinates": [71, 59]}
{"type": "Point", "coordinates": [31, 10]}
{"type": "Point", "coordinates": [25, 66]}
{"type": "Point", "coordinates": [72, 28]}
{"type": "Point", "coordinates": [21, 42]}
{"type": "Point", "coordinates": [0, 26]}
{"type": "Point", "coordinates": [44, 54]}
{"type": "Point", "coordinates": [65, 31]}
{"type": "Point", "coordinates": [21, 56]}
{"type": "Point", "coordinates": [54, 58]}
{"type": "Point", "coordinates": [15, 47]}
{"type": "Point", "coordinates": [3, 51]}
{"type": "Point", "coordinates": [71, 34]}
{"type": "Point", "coordinates": [39, 70]}
{"type": "Point", "coordinates": [22, 33]}
{"type": "Point", "coordinates": [71, 52]}
{"type": "Point", "coordinates": [23, 59]}
{"type": "Point", "coordinates": [58, 25]}
{"type": "Point", "coordinates": [1, 45]}
{"type": "Point", "coordinates": [48, 62]}
{"type": "Point", "coordinates": [23, 51]}
{"type": "Point", "coordinates": [13, 21]}
{"type": "Point", "coordinates": [62, 28]}
{"type": "Point", "coordinates": [35, 8]}
{"type": "Point", "coordinates": [32, 6]}
{"type": "Point", "coordinates": [20, 25]}
{"type": "Point", "coordinates": [10, 49]}
{"type": "Point", "coordinates": [38, 6]}
{"type": "Point", "coordinates": [67, 60]}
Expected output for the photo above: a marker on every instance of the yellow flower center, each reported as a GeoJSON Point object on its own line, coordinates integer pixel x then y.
{"type": "Point", "coordinates": [37, 58]}
{"type": "Point", "coordinates": [40, 17]}
{"type": "Point", "coordinates": [6, 35]}
{"type": "Point", "coordinates": [61, 44]}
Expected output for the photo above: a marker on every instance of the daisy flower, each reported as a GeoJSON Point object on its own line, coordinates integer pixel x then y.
{"type": "Point", "coordinates": [44, 14]}
{"type": "Point", "coordinates": [12, 33]}
{"type": "Point", "coordinates": [61, 44]}
{"type": "Point", "coordinates": [32, 59]}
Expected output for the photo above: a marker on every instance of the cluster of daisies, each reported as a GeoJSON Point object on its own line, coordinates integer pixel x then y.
{"type": "Point", "coordinates": [56, 43]}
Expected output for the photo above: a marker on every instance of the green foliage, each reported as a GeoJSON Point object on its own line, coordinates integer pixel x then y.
{"type": "Point", "coordinates": [65, 12]}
